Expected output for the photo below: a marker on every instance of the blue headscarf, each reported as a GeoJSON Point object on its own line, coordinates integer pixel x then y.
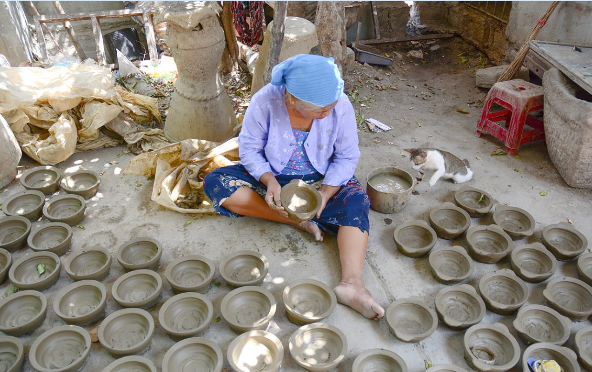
{"type": "Point", "coordinates": [310, 78]}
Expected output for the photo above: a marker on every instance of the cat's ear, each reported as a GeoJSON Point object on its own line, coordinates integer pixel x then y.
{"type": "Point", "coordinates": [409, 150]}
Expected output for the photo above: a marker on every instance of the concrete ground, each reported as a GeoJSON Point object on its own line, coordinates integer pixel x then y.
{"type": "Point", "coordinates": [123, 210]}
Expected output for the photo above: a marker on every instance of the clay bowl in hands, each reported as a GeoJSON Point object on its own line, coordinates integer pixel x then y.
{"type": "Point", "coordinates": [192, 273]}
{"type": "Point", "coordinates": [60, 349]}
{"type": "Point", "coordinates": [491, 348]}
{"type": "Point", "coordinates": [140, 253]}
{"type": "Point", "coordinates": [445, 368]}
{"type": "Point", "coordinates": [248, 308]}
{"type": "Point", "coordinates": [55, 237]}
{"type": "Point", "coordinates": [570, 297]}
{"type": "Point", "coordinates": [583, 341]}
{"type": "Point", "coordinates": [92, 264]}
{"type": "Point", "coordinates": [415, 238]}
{"type": "Point", "coordinates": [411, 319]}
{"type": "Point", "coordinates": [186, 315]}
{"type": "Point", "coordinates": [38, 271]}
{"type": "Point", "coordinates": [379, 360]}
{"type": "Point", "coordinates": [138, 288]}
{"type": "Point", "coordinates": [5, 262]}
{"type": "Point", "coordinates": [451, 265]}
{"type": "Point", "coordinates": [564, 241]}
{"type": "Point", "coordinates": [584, 268]}
{"type": "Point", "coordinates": [488, 244]}
{"type": "Point", "coordinates": [516, 222]}
{"type": "Point", "coordinates": [449, 221]}
{"type": "Point", "coordinates": [533, 262]}
{"type": "Point", "coordinates": [28, 204]}
{"type": "Point", "coordinates": [14, 231]}
{"type": "Point", "coordinates": [68, 209]}
{"type": "Point", "coordinates": [83, 182]}
{"type": "Point", "coordinates": [198, 354]}
{"type": "Point", "coordinates": [300, 200]}
{"type": "Point", "coordinates": [503, 291]}
{"type": "Point", "coordinates": [12, 354]}
{"type": "Point", "coordinates": [81, 303]}
{"type": "Point", "coordinates": [255, 351]}
{"type": "Point", "coordinates": [460, 307]}
{"type": "Point", "coordinates": [475, 201]}
{"type": "Point", "coordinates": [126, 332]}
{"type": "Point", "coordinates": [308, 301]}
{"type": "Point", "coordinates": [22, 312]}
{"type": "Point", "coordinates": [318, 347]}
{"type": "Point", "coordinates": [565, 357]}
{"type": "Point", "coordinates": [536, 323]}
{"type": "Point", "coordinates": [45, 179]}
{"type": "Point", "coordinates": [244, 268]}
{"type": "Point", "coordinates": [131, 363]}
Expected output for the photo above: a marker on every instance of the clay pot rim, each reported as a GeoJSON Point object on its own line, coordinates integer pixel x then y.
{"type": "Point", "coordinates": [415, 251]}
{"type": "Point", "coordinates": [171, 301]}
{"type": "Point", "coordinates": [8, 256]}
{"type": "Point", "coordinates": [500, 208]}
{"type": "Point", "coordinates": [77, 286]}
{"type": "Point", "coordinates": [323, 327]}
{"type": "Point", "coordinates": [51, 332]}
{"type": "Point", "coordinates": [74, 255]}
{"type": "Point", "coordinates": [416, 301]}
{"type": "Point", "coordinates": [80, 191]}
{"type": "Point", "coordinates": [132, 266]}
{"type": "Point", "coordinates": [473, 212]}
{"type": "Point", "coordinates": [257, 333]}
{"type": "Point", "coordinates": [28, 257]}
{"type": "Point", "coordinates": [134, 311]}
{"type": "Point", "coordinates": [317, 283]}
{"type": "Point", "coordinates": [15, 218]}
{"type": "Point", "coordinates": [445, 367]}
{"type": "Point", "coordinates": [28, 172]}
{"type": "Point", "coordinates": [239, 291]}
{"type": "Point", "coordinates": [507, 274]}
{"type": "Point", "coordinates": [57, 199]}
{"type": "Point", "coordinates": [299, 184]}
{"type": "Point", "coordinates": [578, 341]}
{"type": "Point", "coordinates": [565, 322]}
{"type": "Point", "coordinates": [398, 171]}
{"type": "Point", "coordinates": [532, 247]}
{"type": "Point", "coordinates": [584, 257]}
{"type": "Point", "coordinates": [468, 290]}
{"type": "Point", "coordinates": [16, 342]}
{"type": "Point", "coordinates": [194, 257]}
{"type": "Point", "coordinates": [26, 293]}
{"type": "Point", "coordinates": [561, 252]}
{"type": "Point", "coordinates": [130, 358]}
{"type": "Point", "coordinates": [194, 340]}
{"type": "Point", "coordinates": [547, 293]}
{"type": "Point", "coordinates": [46, 226]}
{"type": "Point", "coordinates": [375, 352]}
{"type": "Point", "coordinates": [19, 194]}
{"type": "Point", "coordinates": [235, 254]}
{"type": "Point", "coordinates": [493, 228]}
{"type": "Point", "coordinates": [132, 274]}
{"type": "Point", "coordinates": [452, 207]}
{"type": "Point", "coordinates": [456, 249]}
{"type": "Point", "coordinates": [503, 331]}
{"type": "Point", "coordinates": [566, 352]}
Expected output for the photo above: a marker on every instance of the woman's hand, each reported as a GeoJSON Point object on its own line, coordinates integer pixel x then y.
{"type": "Point", "coordinates": [272, 197]}
{"type": "Point", "coordinates": [327, 193]}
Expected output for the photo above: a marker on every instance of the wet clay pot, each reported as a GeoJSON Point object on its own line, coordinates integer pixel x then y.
{"type": "Point", "coordinates": [415, 238]}
{"type": "Point", "coordinates": [28, 204]}
{"type": "Point", "coordinates": [192, 273]}
{"type": "Point", "coordinates": [449, 221]}
{"type": "Point", "coordinates": [132, 363]}
{"type": "Point", "coordinates": [64, 349]}
{"type": "Point", "coordinates": [301, 200]}
{"type": "Point", "coordinates": [475, 201]}
{"type": "Point", "coordinates": [186, 315]}
{"type": "Point", "coordinates": [92, 264]}
{"type": "Point", "coordinates": [379, 360]}
{"type": "Point", "coordinates": [565, 357]}
{"type": "Point", "coordinates": [81, 303]}
{"type": "Point", "coordinates": [126, 332]}
{"type": "Point", "coordinates": [536, 323]}
{"type": "Point", "coordinates": [460, 306]}
{"type": "Point", "coordinates": [503, 291]}
{"type": "Point", "coordinates": [45, 179]}
{"type": "Point", "coordinates": [5, 262]}
{"type": "Point", "coordinates": [411, 319]}
{"type": "Point", "coordinates": [564, 241]}
{"type": "Point", "coordinates": [54, 237]}
{"type": "Point", "coordinates": [138, 288]}
{"type": "Point", "coordinates": [248, 308]}
{"type": "Point", "coordinates": [445, 368]}
{"type": "Point", "coordinates": [14, 231]}
{"type": "Point", "coordinates": [488, 244]}
{"type": "Point", "coordinates": [570, 297]}
{"type": "Point", "coordinates": [491, 348]}
{"type": "Point", "coordinates": [68, 209]}
{"type": "Point", "coordinates": [583, 341]}
{"type": "Point", "coordinates": [533, 262]}
{"type": "Point", "coordinates": [255, 351]}
{"type": "Point", "coordinates": [516, 222]}
{"type": "Point", "coordinates": [22, 312]}
{"type": "Point", "coordinates": [585, 268]}
{"type": "Point", "coordinates": [195, 354]}
{"type": "Point", "coordinates": [12, 354]}
{"type": "Point", "coordinates": [140, 253]}
{"type": "Point", "coordinates": [451, 265]}
{"type": "Point", "coordinates": [389, 189]}
{"type": "Point", "coordinates": [318, 347]}
{"type": "Point", "coordinates": [24, 273]}
{"type": "Point", "coordinates": [244, 268]}
{"type": "Point", "coordinates": [83, 182]}
{"type": "Point", "coordinates": [307, 301]}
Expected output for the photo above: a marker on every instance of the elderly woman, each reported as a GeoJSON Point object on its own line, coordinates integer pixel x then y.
{"type": "Point", "coordinates": [303, 126]}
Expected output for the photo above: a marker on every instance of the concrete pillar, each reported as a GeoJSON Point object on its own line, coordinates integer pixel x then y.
{"type": "Point", "coordinates": [10, 153]}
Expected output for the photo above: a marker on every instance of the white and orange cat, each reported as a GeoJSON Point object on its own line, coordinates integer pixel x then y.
{"type": "Point", "coordinates": [444, 164]}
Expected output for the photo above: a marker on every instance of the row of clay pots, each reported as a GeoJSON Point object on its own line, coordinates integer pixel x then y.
{"type": "Point", "coordinates": [46, 179]}
{"type": "Point", "coordinates": [30, 204]}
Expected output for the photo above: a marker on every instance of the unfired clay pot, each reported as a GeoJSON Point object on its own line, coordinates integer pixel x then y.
{"type": "Point", "coordinates": [131, 363]}
{"type": "Point", "coordinates": [516, 222]}
{"type": "Point", "coordinates": [24, 273]}
{"type": "Point", "coordinates": [308, 301]}
{"type": "Point", "coordinates": [186, 315]}
{"type": "Point", "coordinates": [570, 297]}
{"type": "Point", "coordinates": [389, 189]}
{"type": "Point", "coordinates": [248, 308]}
{"type": "Point", "coordinates": [192, 273]}
{"type": "Point", "coordinates": [536, 323]}
{"type": "Point", "coordinates": [379, 360]}
{"type": "Point", "coordinates": [14, 231]}
{"type": "Point", "coordinates": [195, 354]}
{"type": "Point", "coordinates": [28, 204]}
{"type": "Point", "coordinates": [83, 182]}
{"type": "Point", "coordinates": [445, 368]}
{"type": "Point", "coordinates": [45, 179]}
{"type": "Point", "coordinates": [255, 351]}
{"type": "Point", "coordinates": [67, 208]}
{"type": "Point", "coordinates": [451, 265]}
{"type": "Point", "coordinates": [565, 357]}
{"type": "Point", "coordinates": [415, 238]}
{"type": "Point", "coordinates": [449, 221]}
{"type": "Point", "coordinates": [5, 262]}
{"type": "Point", "coordinates": [92, 264]}
{"type": "Point", "coordinates": [475, 201]}
{"type": "Point", "coordinates": [22, 312]}
{"type": "Point", "coordinates": [585, 268]}
{"type": "Point", "coordinates": [55, 237]}
{"type": "Point", "coordinates": [60, 349]}
{"type": "Point", "coordinates": [138, 288]}
{"type": "Point", "coordinates": [488, 244]}
{"type": "Point", "coordinates": [140, 253]}
{"type": "Point", "coordinates": [126, 332]}
{"type": "Point", "coordinates": [318, 347]}
{"type": "Point", "coordinates": [583, 341]}
{"type": "Point", "coordinates": [491, 348]}
{"type": "Point", "coordinates": [301, 200]}
{"type": "Point", "coordinates": [564, 241]}
{"type": "Point", "coordinates": [411, 319]}
{"type": "Point", "coordinates": [533, 262]}
{"type": "Point", "coordinates": [12, 354]}
{"type": "Point", "coordinates": [503, 291]}
{"type": "Point", "coordinates": [460, 306]}
{"type": "Point", "coordinates": [244, 267]}
{"type": "Point", "coordinates": [81, 302]}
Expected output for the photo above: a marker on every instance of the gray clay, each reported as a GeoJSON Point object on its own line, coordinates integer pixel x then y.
{"type": "Point", "coordinates": [411, 319]}
{"type": "Point", "coordinates": [503, 291]}
{"type": "Point", "coordinates": [516, 222]}
{"type": "Point", "coordinates": [449, 221]}
{"type": "Point", "coordinates": [81, 302]}
{"type": "Point", "coordinates": [92, 264]}
{"type": "Point", "coordinates": [585, 268]}
{"type": "Point", "coordinates": [126, 332]}
{"type": "Point", "coordinates": [379, 360]}
{"type": "Point", "coordinates": [192, 273]}
{"type": "Point", "coordinates": [459, 307]}
{"type": "Point", "coordinates": [138, 288]}
{"type": "Point", "coordinates": [55, 237]}
{"type": "Point", "coordinates": [318, 347]}
{"type": "Point", "coordinates": [307, 301]}
{"type": "Point", "coordinates": [475, 201]}
{"type": "Point", "coordinates": [564, 241]}
{"type": "Point", "coordinates": [300, 200]}
{"type": "Point", "coordinates": [22, 312]}
{"type": "Point", "coordinates": [263, 347]}
{"type": "Point", "coordinates": [131, 363]}
{"type": "Point", "coordinates": [14, 231]}
{"type": "Point", "coordinates": [140, 253]}
{"type": "Point", "coordinates": [248, 308]}
{"type": "Point", "coordinates": [5, 262]}
{"type": "Point", "coordinates": [45, 179]}
{"type": "Point", "coordinates": [83, 182]}
{"type": "Point", "coordinates": [583, 341]}
{"type": "Point", "coordinates": [415, 238]}
{"type": "Point", "coordinates": [533, 262]}
{"type": "Point", "coordinates": [28, 204]}
{"type": "Point", "coordinates": [12, 354]}
{"type": "Point", "coordinates": [451, 265]}
{"type": "Point", "coordinates": [491, 348]}
{"type": "Point", "coordinates": [488, 244]}
{"type": "Point", "coordinates": [244, 268]}
{"type": "Point", "coordinates": [445, 368]}
{"type": "Point", "coordinates": [68, 209]}
{"type": "Point", "coordinates": [536, 323]}
{"type": "Point", "coordinates": [60, 349]}
{"type": "Point", "coordinates": [183, 354]}
{"type": "Point", "coordinates": [389, 197]}
{"type": "Point", "coordinates": [25, 275]}
{"type": "Point", "coordinates": [565, 357]}
{"type": "Point", "coordinates": [186, 315]}
{"type": "Point", "coordinates": [570, 297]}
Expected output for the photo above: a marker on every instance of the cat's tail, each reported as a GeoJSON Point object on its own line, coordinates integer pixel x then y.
{"type": "Point", "coordinates": [466, 162]}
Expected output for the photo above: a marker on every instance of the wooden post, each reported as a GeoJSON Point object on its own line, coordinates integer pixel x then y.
{"type": "Point", "coordinates": [46, 28]}
{"type": "Point", "coordinates": [150, 38]}
{"type": "Point", "coordinates": [96, 27]}
{"type": "Point", "coordinates": [375, 17]}
{"type": "Point", "coordinates": [41, 41]}
{"type": "Point", "coordinates": [229, 32]}
{"type": "Point", "coordinates": [277, 38]}
{"type": "Point", "coordinates": [70, 31]}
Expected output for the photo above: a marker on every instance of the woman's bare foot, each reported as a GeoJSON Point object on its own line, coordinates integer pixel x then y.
{"type": "Point", "coordinates": [312, 228]}
{"type": "Point", "coordinates": [356, 296]}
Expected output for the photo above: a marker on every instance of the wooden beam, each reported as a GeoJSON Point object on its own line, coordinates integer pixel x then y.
{"type": "Point", "coordinates": [375, 17]}
{"type": "Point", "coordinates": [45, 26]}
{"type": "Point", "coordinates": [41, 42]}
{"type": "Point", "coordinates": [96, 27]}
{"type": "Point", "coordinates": [150, 38]}
{"type": "Point", "coordinates": [405, 39]}
{"type": "Point", "coordinates": [277, 38]}
{"type": "Point", "coordinates": [70, 31]}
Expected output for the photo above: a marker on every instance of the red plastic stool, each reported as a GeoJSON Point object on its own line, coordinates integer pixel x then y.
{"type": "Point", "coordinates": [518, 99]}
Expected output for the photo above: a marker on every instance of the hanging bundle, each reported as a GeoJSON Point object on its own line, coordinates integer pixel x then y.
{"type": "Point", "coordinates": [249, 34]}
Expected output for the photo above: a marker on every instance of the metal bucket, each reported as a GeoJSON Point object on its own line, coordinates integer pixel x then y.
{"type": "Point", "coordinates": [387, 201]}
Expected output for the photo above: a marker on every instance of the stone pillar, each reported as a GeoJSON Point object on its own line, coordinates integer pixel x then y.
{"type": "Point", "coordinates": [200, 107]}
{"type": "Point", "coordinates": [10, 153]}
{"type": "Point", "coordinates": [330, 23]}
